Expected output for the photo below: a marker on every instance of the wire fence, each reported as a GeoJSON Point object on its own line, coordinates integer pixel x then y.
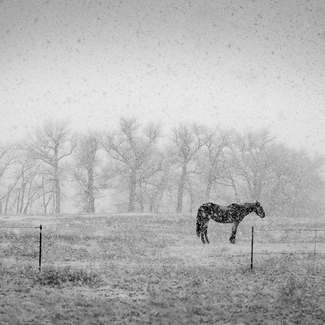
{"type": "Point", "coordinates": [278, 237]}
{"type": "Point", "coordinates": [274, 239]}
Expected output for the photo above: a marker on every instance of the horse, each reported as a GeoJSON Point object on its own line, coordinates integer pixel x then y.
{"type": "Point", "coordinates": [233, 213]}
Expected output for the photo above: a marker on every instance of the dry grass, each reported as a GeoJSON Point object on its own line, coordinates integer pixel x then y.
{"type": "Point", "coordinates": [151, 269]}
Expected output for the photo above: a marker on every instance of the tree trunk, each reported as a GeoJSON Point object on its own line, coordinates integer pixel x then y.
{"type": "Point", "coordinates": [57, 188]}
{"type": "Point", "coordinates": [152, 200]}
{"type": "Point", "coordinates": [133, 184]}
{"type": "Point", "coordinates": [53, 200]}
{"type": "Point", "coordinates": [43, 196]}
{"type": "Point", "coordinates": [192, 199]}
{"type": "Point", "coordinates": [26, 208]}
{"type": "Point", "coordinates": [29, 197]}
{"type": "Point", "coordinates": [233, 185]}
{"type": "Point", "coordinates": [208, 190]}
{"type": "Point", "coordinates": [23, 189]}
{"type": "Point", "coordinates": [160, 196]}
{"type": "Point", "coordinates": [90, 192]}
{"type": "Point", "coordinates": [250, 187]}
{"type": "Point", "coordinates": [180, 193]}
{"type": "Point", "coordinates": [257, 188]}
{"type": "Point", "coordinates": [18, 202]}
{"type": "Point", "coordinates": [47, 203]}
{"type": "Point", "coordinates": [7, 199]}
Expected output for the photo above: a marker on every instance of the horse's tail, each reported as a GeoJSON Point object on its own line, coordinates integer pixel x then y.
{"type": "Point", "coordinates": [198, 222]}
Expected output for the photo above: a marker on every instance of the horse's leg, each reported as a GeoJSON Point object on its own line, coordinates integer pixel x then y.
{"type": "Point", "coordinates": [200, 223]}
{"type": "Point", "coordinates": [232, 238]}
{"type": "Point", "coordinates": [204, 232]}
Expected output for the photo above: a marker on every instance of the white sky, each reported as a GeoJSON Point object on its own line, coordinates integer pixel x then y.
{"type": "Point", "coordinates": [242, 64]}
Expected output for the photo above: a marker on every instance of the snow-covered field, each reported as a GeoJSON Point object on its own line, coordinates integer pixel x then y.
{"type": "Point", "coordinates": [152, 269]}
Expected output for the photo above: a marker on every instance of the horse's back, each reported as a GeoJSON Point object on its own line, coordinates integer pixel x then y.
{"type": "Point", "coordinates": [217, 207]}
{"type": "Point", "coordinates": [221, 213]}
{"type": "Point", "coordinates": [214, 211]}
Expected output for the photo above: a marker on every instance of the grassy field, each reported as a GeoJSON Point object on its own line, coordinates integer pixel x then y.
{"type": "Point", "coordinates": [152, 269]}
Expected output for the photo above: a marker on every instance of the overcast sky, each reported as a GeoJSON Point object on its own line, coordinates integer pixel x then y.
{"type": "Point", "coordinates": [241, 64]}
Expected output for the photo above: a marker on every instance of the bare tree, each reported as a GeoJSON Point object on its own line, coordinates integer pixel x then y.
{"type": "Point", "coordinates": [8, 158]}
{"type": "Point", "coordinates": [130, 148]}
{"type": "Point", "coordinates": [153, 180]}
{"type": "Point", "coordinates": [51, 144]}
{"type": "Point", "coordinates": [27, 190]}
{"type": "Point", "coordinates": [185, 145]}
{"type": "Point", "coordinates": [46, 188]}
{"type": "Point", "coordinates": [249, 157]}
{"type": "Point", "coordinates": [84, 173]}
{"type": "Point", "coordinates": [22, 185]}
{"type": "Point", "coordinates": [213, 159]}
{"type": "Point", "coordinates": [284, 179]}
{"type": "Point", "coordinates": [295, 177]}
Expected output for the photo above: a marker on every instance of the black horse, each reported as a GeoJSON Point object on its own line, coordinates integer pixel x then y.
{"type": "Point", "coordinates": [233, 213]}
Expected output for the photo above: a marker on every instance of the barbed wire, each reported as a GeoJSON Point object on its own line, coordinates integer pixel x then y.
{"type": "Point", "coordinates": [268, 253]}
{"type": "Point", "coordinates": [286, 229]}
{"type": "Point", "coordinates": [14, 227]}
{"type": "Point", "coordinates": [287, 253]}
{"type": "Point", "coordinates": [287, 242]}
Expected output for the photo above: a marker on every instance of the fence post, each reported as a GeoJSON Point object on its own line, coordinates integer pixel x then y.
{"type": "Point", "coordinates": [252, 245]}
{"type": "Point", "coordinates": [40, 248]}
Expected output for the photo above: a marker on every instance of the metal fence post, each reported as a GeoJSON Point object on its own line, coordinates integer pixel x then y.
{"type": "Point", "coordinates": [252, 246]}
{"type": "Point", "coordinates": [40, 248]}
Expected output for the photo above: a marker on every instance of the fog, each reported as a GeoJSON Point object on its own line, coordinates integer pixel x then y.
{"type": "Point", "coordinates": [136, 167]}
{"type": "Point", "coordinates": [230, 65]}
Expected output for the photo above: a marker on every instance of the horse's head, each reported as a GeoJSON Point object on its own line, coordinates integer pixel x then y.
{"type": "Point", "coordinates": [259, 210]}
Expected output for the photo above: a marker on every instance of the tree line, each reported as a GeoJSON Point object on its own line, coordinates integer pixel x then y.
{"type": "Point", "coordinates": [144, 169]}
